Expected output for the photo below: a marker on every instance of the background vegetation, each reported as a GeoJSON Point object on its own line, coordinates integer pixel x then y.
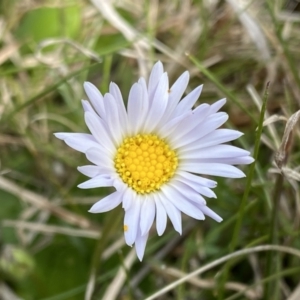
{"type": "Point", "coordinates": [50, 246]}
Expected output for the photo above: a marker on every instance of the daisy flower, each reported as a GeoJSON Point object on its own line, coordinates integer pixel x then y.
{"type": "Point", "coordinates": [155, 152]}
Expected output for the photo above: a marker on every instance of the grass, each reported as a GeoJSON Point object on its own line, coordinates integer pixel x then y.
{"type": "Point", "coordinates": [50, 246]}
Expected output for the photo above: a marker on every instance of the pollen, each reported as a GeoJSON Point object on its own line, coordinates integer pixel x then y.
{"type": "Point", "coordinates": [145, 162]}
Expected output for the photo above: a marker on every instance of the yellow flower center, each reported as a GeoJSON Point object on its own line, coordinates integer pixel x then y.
{"type": "Point", "coordinates": [145, 162]}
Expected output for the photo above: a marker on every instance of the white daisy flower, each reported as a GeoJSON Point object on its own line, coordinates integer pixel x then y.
{"type": "Point", "coordinates": [153, 152]}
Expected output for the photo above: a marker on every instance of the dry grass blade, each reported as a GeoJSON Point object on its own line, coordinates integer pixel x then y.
{"type": "Point", "coordinates": [252, 27]}
{"type": "Point", "coordinates": [289, 173]}
{"type": "Point", "coordinates": [161, 254]}
{"type": "Point", "coordinates": [116, 246]}
{"type": "Point", "coordinates": [50, 61]}
{"type": "Point", "coordinates": [115, 286]}
{"type": "Point", "coordinates": [6, 293]}
{"type": "Point", "coordinates": [281, 155]}
{"type": "Point", "coordinates": [296, 294]}
{"type": "Point", "coordinates": [10, 140]}
{"type": "Point", "coordinates": [43, 203]}
{"type": "Point", "coordinates": [274, 118]}
{"type": "Point", "coordinates": [221, 260]}
{"type": "Point", "coordinates": [211, 284]}
{"type": "Point", "coordinates": [7, 52]}
{"type": "Point", "coordinates": [131, 34]}
{"type": "Point", "coordinates": [288, 16]}
{"type": "Point", "coordinates": [107, 10]}
{"type": "Point", "coordinates": [52, 229]}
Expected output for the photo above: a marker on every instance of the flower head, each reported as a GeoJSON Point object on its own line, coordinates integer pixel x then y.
{"type": "Point", "coordinates": [154, 152]}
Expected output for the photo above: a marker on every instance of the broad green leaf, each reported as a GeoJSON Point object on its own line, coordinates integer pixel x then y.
{"type": "Point", "coordinates": [49, 22]}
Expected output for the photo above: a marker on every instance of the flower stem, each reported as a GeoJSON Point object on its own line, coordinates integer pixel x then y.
{"type": "Point", "coordinates": [241, 210]}
{"type": "Point", "coordinates": [273, 259]}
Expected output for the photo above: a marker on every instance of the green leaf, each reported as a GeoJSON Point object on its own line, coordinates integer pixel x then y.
{"type": "Point", "coordinates": [49, 22]}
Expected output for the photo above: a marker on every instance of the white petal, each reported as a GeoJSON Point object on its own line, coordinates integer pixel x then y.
{"type": "Point", "coordinates": [192, 121]}
{"type": "Point", "coordinates": [158, 105]}
{"type": "Point", "coordinates": [198, 179]}
{"type": "Point", "coordinates": [154, 78]}
{"type": "Point", "coordinates": [147, 214]}
{"type": "Point", "coordinates": [217, 105]}
{"type": "Point", "coordinates": [211, 123]}
{"type": "Point", "coordinates": [181, 202]}
{"type": "Point", "coordinates": [140, 245]}
{"type": "Point", "coordinates": [244, 160]}
{"type": "Point", "coordinates": [78, 141]}
{"type": "Point", "coordinates": [166, 129]}
{"type": "Point", "coordinates": [65, 135]}
{"type": "Point", "coordinates": [205, 191]}
{"type": "Point", "coordinates": [99, 132]}
{"type": "Point", "coordinates": [90, 171]}
{"type": "Point", "coordinates": [112, 117]}
{"type": "Point", "coordinates": [187, 191]}
{"type": "Point", "coordinates": [118, 184]}
{"type": "Point", "coordinates": [145, 97]}
{"type": "Point", "coordinates": [106, 204]}
{"type": "Point", "coordinates": [216, 137]}
{"type": "Point", "coordinates": [87, 106]}
{"type": "Point", "coordinates": [207, 211]}
{"type": "Point", "coordinates": [115, 91]}
{"type": "Point", "coordinates": [95, 97]}
{"type": "Point", "coordinates": [218, 151]}
{"type": "Point", "coordinates": [215, 169]}
{"type": "Point", "coordinates": [241, 160]}
{"type": "Point", "coordinates": [135, 108]}
{"type": "Point", "coordinates": [129, 198]}
{"type": "Point", "coordinates": [173, 213]}
{"type": "Point", "coordinates": [178, 88]}
{"type": "Point", "coordinates": [131, 222]}
{"type": "Point", "coordinates": [98, 181]}
{"type": "Point", "coordinates": [175, 93]}
{"type": "Point", "coordinates": [188, 101]}
{"type": "Point", "coordinates": [99, 158]}
{"type": "Point", "coordinates": [161, 216]}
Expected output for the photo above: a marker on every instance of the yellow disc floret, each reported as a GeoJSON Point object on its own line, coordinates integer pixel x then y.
{"type": "Point", "coordinates": [145, 162]}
